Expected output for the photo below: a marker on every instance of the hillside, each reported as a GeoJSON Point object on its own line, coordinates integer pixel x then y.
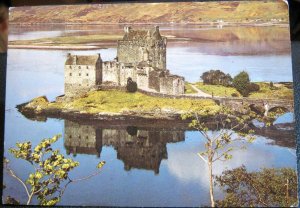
{"type": "Point", "coordinates": [195, 12]}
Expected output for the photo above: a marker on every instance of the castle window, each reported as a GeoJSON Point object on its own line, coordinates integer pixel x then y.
{"type": "Point", "coordinates": [79, 67]}
{"type": "Point", "coordinates": [79, 74]}
{"type": "Point", "coordinates": [70, 136]}
{"type": "Point", "coordinates": [70, 67]}
{"type": "Point", "coordinates": [87, 74]}
{"type": "Point", "coordinates": [87, 67]}
{"type": "Point", "coordinates": [87, 137]}
{"type": "Point", "coordinates": [70, 74]}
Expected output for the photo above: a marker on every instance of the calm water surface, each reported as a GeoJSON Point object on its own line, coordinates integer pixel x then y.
{"type": "Point", "coordinates": [170, 174]}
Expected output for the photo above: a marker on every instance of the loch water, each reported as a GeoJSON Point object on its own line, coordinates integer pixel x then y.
{"type": "Point", "coordinates": [145, 165]}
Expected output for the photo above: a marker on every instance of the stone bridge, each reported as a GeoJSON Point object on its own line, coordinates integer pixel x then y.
{"type": "Point", "coordinates": [268, 105]}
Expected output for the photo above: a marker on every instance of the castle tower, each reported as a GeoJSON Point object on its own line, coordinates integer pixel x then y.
{"type": "Point", "coordinates": [132, 48]}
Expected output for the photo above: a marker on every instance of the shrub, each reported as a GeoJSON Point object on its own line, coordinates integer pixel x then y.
{"type": "Point", "coordinates": [216, 77]}
{"type": "Point", "coordinates": [131, 85]}
{"type": "Point", "coordinates": [252, 87]}
{"type": "Point", "coordinates": [234, 94]}
{"type": "Point", "coordinates": [241, 83]}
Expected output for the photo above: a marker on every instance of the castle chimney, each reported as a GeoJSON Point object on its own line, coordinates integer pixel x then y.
{"type": "Point", "coordinates": [127, 29]}
{"type": "Point", "coordinates": [157, 28]}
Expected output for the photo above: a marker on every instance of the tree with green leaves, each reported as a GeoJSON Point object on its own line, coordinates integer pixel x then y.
{"type": "Point", "coordinates": [241, 83]}
{"type": "Point", "coordinates": [216, 77]}
{"type": "Point", "coordinates": [230, 126]}
{"type": "Point", "coordinates": [269, 187]}
{"type": "Point", "coordinates": [50, 176]}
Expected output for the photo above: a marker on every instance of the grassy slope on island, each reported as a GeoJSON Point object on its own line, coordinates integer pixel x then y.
{"type": "Point", "coordinates": [114, 101]}
{"type": "Point", "coordinates": [217, 90]}
{"type": "Point", "coordinates": [179, 12]}
{"type": "Point", "coordinates": [278, 92]}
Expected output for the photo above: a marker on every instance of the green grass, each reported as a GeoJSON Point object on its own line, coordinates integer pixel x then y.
{"type": "Point", "coordinates": [121, 102]}
{"type": "Point", "coordinates": [218, 90]}
{"type": "Point", "coordinates": [189, 89]}
{"type": "Point", "coordinates": [68, 40]}
{"type": "Point", "coordinates": [279, 92]}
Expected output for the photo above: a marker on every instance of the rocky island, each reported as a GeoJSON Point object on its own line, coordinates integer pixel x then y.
{"type": "Point", "coordinates": [135, 85]}
{"type": "Point", "coordinates": [95, 88]}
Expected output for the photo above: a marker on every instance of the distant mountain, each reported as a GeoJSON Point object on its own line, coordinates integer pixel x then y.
{"type": "Point", "coordinates": [181, 12]}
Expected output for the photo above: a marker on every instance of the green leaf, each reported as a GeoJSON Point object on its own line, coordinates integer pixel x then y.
{"type": "Point", "coordinates": [100, 164]}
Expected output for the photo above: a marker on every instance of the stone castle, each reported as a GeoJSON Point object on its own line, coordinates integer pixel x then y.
{"type": "Point", "coordinates": [141, 56]}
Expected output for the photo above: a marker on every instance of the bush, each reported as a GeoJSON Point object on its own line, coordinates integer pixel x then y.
{"type": "Point", "coordinates": [131, 85]}
{"type": "Point", "coordinates": [216, 77]}
{"type": "Point", "coordinates": [241, 83]}
{"type": "Point", "coordinates": [252, 87]}
{"type": "Point", "coordinates": [234, 94]}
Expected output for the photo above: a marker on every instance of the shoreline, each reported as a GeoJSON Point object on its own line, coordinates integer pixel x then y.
{"type": "Point", "coordinates": [119, 121]}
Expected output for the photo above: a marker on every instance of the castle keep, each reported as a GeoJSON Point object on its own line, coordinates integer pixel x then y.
{"type": "Point", "coordinates": [141, 56]}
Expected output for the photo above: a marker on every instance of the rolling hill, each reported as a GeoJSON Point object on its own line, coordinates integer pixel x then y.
{"type": "Point", "coordinates": [179, 12]}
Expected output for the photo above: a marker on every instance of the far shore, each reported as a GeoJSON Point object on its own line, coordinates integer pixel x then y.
{"type": "Point", "coordinates": [52, 47]}
{"type": "Point", "coordinates": [224, 24]}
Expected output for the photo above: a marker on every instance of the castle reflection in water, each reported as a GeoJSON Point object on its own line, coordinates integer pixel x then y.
{"type": "Point", "coordinates": [141, 148]}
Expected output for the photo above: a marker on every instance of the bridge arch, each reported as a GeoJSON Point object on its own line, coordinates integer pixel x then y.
{"type": "Point", "coordinates": [282, 108]}
{"type": "Point", "coordinates": [257, 108]}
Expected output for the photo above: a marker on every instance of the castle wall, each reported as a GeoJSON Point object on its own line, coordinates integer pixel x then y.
{"type": "Point", "coordinates": [166, 85]}
{"type": "Point", "coordinates": [126, 72]}
{"type": "Point", "coordinates": [154, 81]}
{"type": "Point", "coordinates": [111, 72]}
{"type": "Point", "coordinates": [142, 81]}
{"type": "Point", "coordinates": [80, 79]}
{"type": "Point", "coordinates": [172, 85]}
{"type": "Point", "coordinates": [178, 86]}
